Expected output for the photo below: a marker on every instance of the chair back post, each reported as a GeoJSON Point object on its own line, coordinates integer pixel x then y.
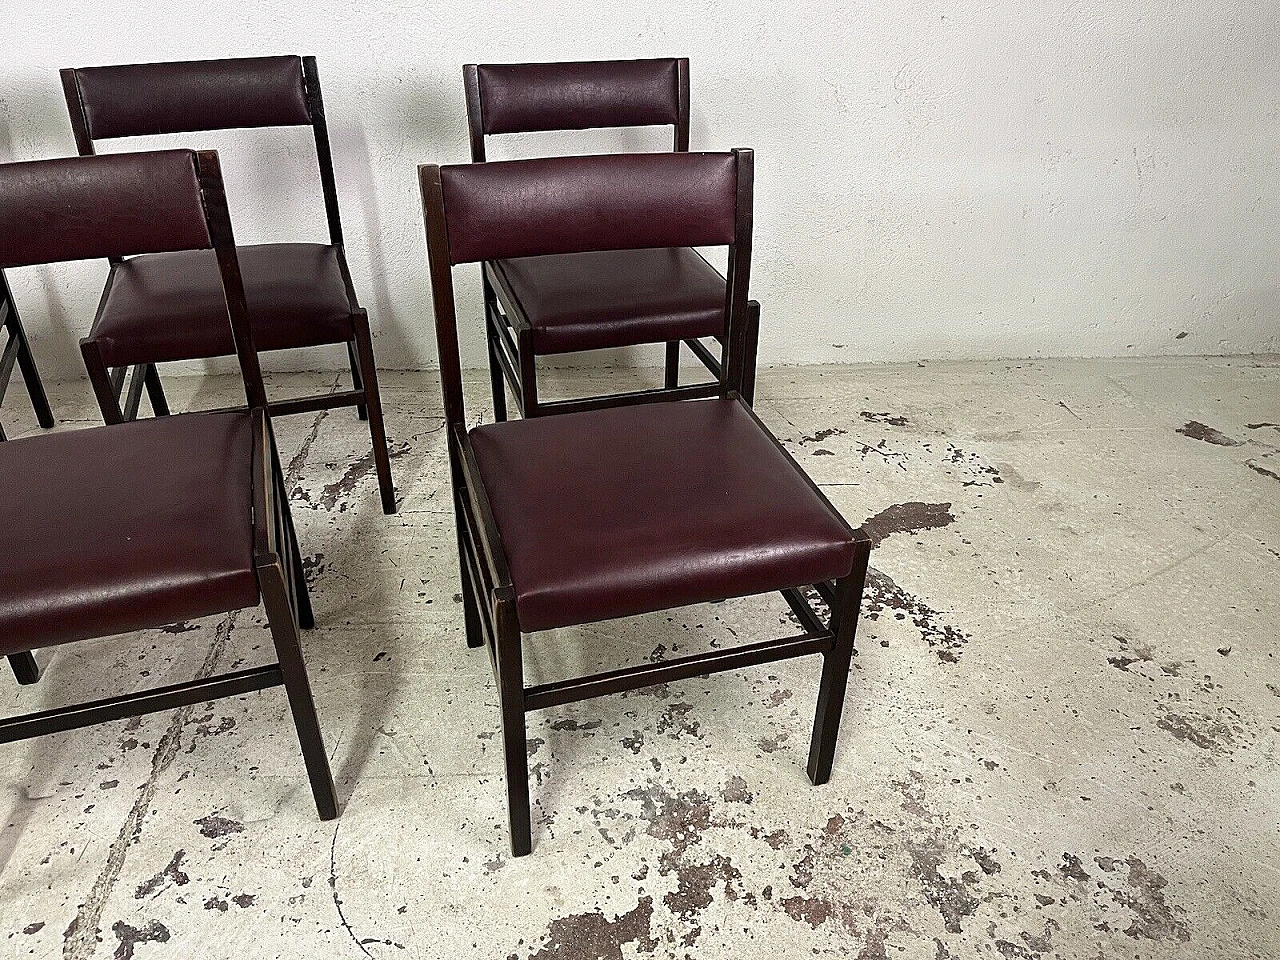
{"type": "Point", "coordinates": [475, 119]}
{"type": "Point", "coordinates": [444, 307]}
{"type": "Point", "coordinates": [75, 109]}
{"type": "Point", "coordinates": [324, 154]}
{"type": "Point", "coordinates": [214, 196]}
{"type": "Point", "coordinates": [682, 106]}
{"type": "Point", "coordinates": [734, 358]}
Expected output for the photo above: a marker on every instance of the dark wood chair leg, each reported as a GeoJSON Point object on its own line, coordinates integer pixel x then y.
{"type": "Point", "coordinates": [26, 362]}
{"type": "Point", "coordinates": [496, 380]}
{"type": "Point", "coordinates": [835, 668]}
{"type": "Point", "coordinates": [373, 403]}
{"type": "Point", "coordinates": [155, 392]}
{"type": "Point", "coordinates": [672, 375]}
{"type": "Point", "coordinates": [470, 613]}
{"type": "Point", "coordinates": [284, 631]}
{"type": "Point", "coordinates": [25, 668]}
{"type": "Point", "coordinates": [357, 381]}
{"type": "Point", "coordinates": [515, 746]}
{"type": "Point", "coordinates": [306, 617]}
{"type": "Point", "coordinates": [100, 378]}
{"type": "Point", "coordinates": [528, 362]}
{"type": "Point", "coordinates": [749, 361]}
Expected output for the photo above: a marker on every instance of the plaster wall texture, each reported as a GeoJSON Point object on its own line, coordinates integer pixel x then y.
{"type": "Point", "coordinates": [939, 179]}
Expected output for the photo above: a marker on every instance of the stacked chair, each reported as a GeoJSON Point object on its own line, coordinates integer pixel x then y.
{"type": "Point", "coordinates": [613, 512]}
{"type": "Point", "coordinates": [169, 307]}
{"type": "Point", "coordinates": [138, 525]}
{"type": "Point", "coordinates": [583, 510]}
{"type": "Point", "coordinates": [537, 306]}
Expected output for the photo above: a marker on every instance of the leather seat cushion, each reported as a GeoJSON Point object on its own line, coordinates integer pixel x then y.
{"type": "Point", "coordinates": [628, 510]}
{"type": "Point", "coordinates": [121, 528]}
{"type": "Point", "coordinates": [616, 298]}
{"type": "Point", "coordinates": [170, 306]}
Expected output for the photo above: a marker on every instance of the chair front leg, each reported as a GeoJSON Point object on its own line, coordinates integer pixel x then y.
{"type": "Point", "coordinates": [510, 664]}
{"type": "Point", "coordinates": [671, 377]}
{"type": "Point", "coordinates": [155, 392]}
{"type": "Point", "coordinates": [284, 632]}
{"type": "Point", "coordinates": [835, 667]}
{"type": "Point", "coordinates": [373, 404]}
{"type": "Point", "coordinates": [25, 669]}
{"type": "Point", "coordinates": [357, 383]}
{"type": "Point", "coordinates": [100, 378]}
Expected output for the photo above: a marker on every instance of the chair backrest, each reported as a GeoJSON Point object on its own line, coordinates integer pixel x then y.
{"type": "Point", "coordinates": [120, 205]}
{"type": "Point", "coordinates": [521, 208]}
{"type": "Point", "coordinates": [531, 97]}
{"type": "Point", "coordinates": [146, 99]}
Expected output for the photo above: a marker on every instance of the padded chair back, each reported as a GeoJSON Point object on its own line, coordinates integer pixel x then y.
{"type": "Point", "coordinates": [524, 208]}
{"type": "Point", "coordinates": [529, 97]}
{"type": "Point", "coordinates": [122, 205]}
{"type": "Point", "coordinates": [146, 99]}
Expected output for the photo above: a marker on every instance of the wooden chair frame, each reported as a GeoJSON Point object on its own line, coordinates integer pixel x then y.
{"type": "Point", "coordinates": [18, 350]}
{"type": "Point", "coordinates": [277, 562]}
{"type": "Point", "coordinates": [489, 596]}
{"type": "Point", "coordinates": [109, 383]}
{"type": "Point", "coordinates": [509, 337]}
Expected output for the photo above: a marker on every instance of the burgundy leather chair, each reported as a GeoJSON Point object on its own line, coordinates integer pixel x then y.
{"type": "Point", "coordinates": [138, 525]}
{"type": "Point", "coordinates": [538, 306]}
{"type": "Point", "coordinates": [609, 513]}
{"type": "Point", "coordinates": [169, 307]}
{"type": "Point", "coordinates": [17, 350]}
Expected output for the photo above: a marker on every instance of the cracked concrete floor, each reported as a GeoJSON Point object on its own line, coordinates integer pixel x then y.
{"type": "Point", "coordinates": [1059, 741]}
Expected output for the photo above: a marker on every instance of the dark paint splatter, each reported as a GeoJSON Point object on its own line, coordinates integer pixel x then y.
{"type": "Point", "coordinates": [130, 937]}
{"type": "Point", "coordinates": [172, 874]}
{"type": "Point", "coordinates": [181, 627]}
{"type": "Point", "coordinates": [214, 826]}
{"type": "Point", "coordinates": [823, 435]}
{"type": "Point", "coordinates": [1199, 431]}
{"type": "Point", "coordinates": [888, 418]}
{"type": "Point", "coordinates": [33, 927]}
{"type": "Point", "coordinates": [912, 517]}
{"type": "Point", "coordinates": [1259, 469]}
{"type": "Point", "coordinates": [593, 936]}
{"type": "Point", "coordinates": [882, 595]}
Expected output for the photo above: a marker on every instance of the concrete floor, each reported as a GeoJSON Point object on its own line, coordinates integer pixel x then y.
{"type": "Point", "coordinates": [1060, 739]}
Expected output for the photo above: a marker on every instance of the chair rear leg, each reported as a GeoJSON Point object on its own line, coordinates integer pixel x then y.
{"type": "Point", "coordinates": [835, 668]}
{"type": "Point", "coordinates": [155, 392]}
{"type": "Point", "coordinates": [672, 376]}
{"type": "Point", "coordinates": [373, 403]}
{"type": "Point", "coordinates": [25, 669]}
{"type": "Point", "coordinates": [470, 612]}
{"type": "Point", "coordinates": [357, 382]}
{"type": "Point", "coordinates": [284, 631]}
{"type": "Point", "coordinates": [497, 381]}
{"type": "Point", "coordinates": [515, 745]}
{"type": "Point", "coordinates": [100, 378]}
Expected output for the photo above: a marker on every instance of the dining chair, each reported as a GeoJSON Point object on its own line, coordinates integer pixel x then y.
{"type": "Point", "coordinates": [168, 307]}
{"type": "Point", "coordinates": [18, 350]}
{"type": "Point", "coordinates": [538, 306]}
{"type": "Point", "coordinates": [137, 525]}
{"type": "Point", "coordinates": [614, 512]}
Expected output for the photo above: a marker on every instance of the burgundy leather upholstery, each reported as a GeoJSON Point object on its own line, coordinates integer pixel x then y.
{"type": "Point", "coordinates": [125, 528]}
{"type": "Point", "coordinates": [521, 97]}
{"type": "Point", "coordinates": [615, 298]}
{"type": "Point", "coordinates": [518, 208]}
{"type": "Point", "coordinates": [171, 306]}
{"type": "Point", "coordinates": [634, 509]}
{"type": "Point", "coordinates": [139, 202]}
{"type": "Point", "coordinates": [152, 98]}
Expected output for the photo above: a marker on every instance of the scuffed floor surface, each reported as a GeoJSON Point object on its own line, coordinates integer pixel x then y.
{"type": "Point", "coordinates": [1060, 739]}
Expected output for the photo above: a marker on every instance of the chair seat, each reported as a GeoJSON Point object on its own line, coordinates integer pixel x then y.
{"type": "Point", "coordinates": [616, 298]}
{"type": "Point", "coordinates": [126, 527]}
{"type": "Point", "coordinates": [170, 306]}
{"type": "Point", "coordinates": [610, 513]}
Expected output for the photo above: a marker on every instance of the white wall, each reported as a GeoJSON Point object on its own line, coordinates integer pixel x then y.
{"type": "Point", "coordinates": [941, 178]}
